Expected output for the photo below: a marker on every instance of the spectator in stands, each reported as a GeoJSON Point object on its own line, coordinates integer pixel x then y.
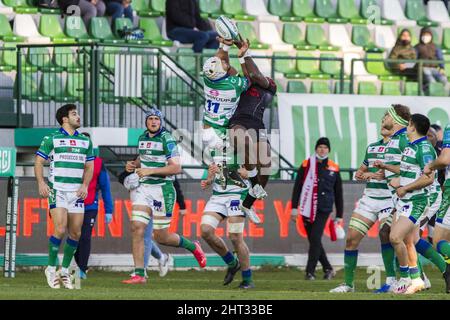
{"type": "Point", "coordinates": [118, 9]}
{"type": "Point", "coordinates": [184, 24]}
{"type": "Point", "coordinates": [403, 50]}
{"type": "Point", "coordinates": [318, 187]}
{"type": "Point", "coordinates": [100, 182]}
{"type": "Point", "coordinates": [427, 50]}
{"type": "Point", "coordinates": [88, 8]}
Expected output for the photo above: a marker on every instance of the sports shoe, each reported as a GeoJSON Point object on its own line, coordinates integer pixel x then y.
{"type": "Point", "coordinates": [135, 280]}
{"type": "Point", "coordinates": [52, 278]}
{"type": "Point", "coordinates": [163, 265]}
{"type": "Point", "coordinates": [231, 271]}
{"type": "Point", "coordinates": [329, 274]}
{"type": "Point", "coordinates": [235, 178]}
{"type": "Point", "coordinates": [199, 255]}
{"type": "Point", "coordinates": [66, 280]}
{"type": "Point", "coordinates": [385, 288]}
{"type": "Point", "coordinates": [446, 276]}
{"type": "Point", "coordinates": [416, 286]}
{"type": "Point", "coordinates": [309, 276]}
{"type": "Point", "coordinates": [426, 281]}
{"type": "Point", "coordinates": [246, 285]}
{"type": "Point", "coordinates": [401, 286]}
{"type": "Point", "coordinates": [342, 288]}
{"type": "Point", "coordinates": [251, 214]}
{"type": "Point", "coordinates": [258, 192]}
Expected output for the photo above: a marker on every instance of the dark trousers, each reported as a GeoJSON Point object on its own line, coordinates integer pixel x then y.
{"type": "Point", "coordinates": [117, 10]}
{"type": "Point", "coordinates": [84, 244]}
{"type": "Point", "coordinates": [200, 39]}
{"type": "Point", "coordinates": [316, 252]}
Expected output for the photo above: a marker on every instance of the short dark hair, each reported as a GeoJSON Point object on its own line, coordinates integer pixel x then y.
{"type": "Point", "coordinates": [402, 111]}
{"type": "Point", "coordinates": [436, 127]}
{"type": "Point", "coordinates": [421, 123]}
{"type": "Point", "coordinates": [64, 112]}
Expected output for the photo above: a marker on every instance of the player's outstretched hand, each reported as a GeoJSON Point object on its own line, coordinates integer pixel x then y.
{"type": "Point", "coordinates": [401, 192]}
{"type": "Point", "coordinates": [427, 170]}
{"type": "Point", "coordinates": [359, 175]}
{"type": "Point", "coordinates": [44, 190]}
{"type": "Point", "coordinates": [243, 49]}
{"type": "Point", "coordinates": [143, 172]}
{"type": "Point", "coordinates": [224, 41]}
{"type": "Point", "coordinates": [130, 167]}
{"type": "Point", "coordinates": [205, 184]}
{"type": "Point", "coordinates": [82, 192]}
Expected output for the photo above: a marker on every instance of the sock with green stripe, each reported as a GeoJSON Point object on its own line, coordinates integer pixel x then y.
{"type": "Point", "coordinates": [187, 244]}
{"type": "Point", "coordinates": [53, 249]}
{"type": "Point", "coordinates": [404, 272]}
{"type": "Point", "coordinates": [443, 247]}
{"type": "Point", "coordinates": [69, 250]}
{"type": "Point", "coordinates": [139, 272]}
{"type": "Point", "coordinates": [426, 250]}
{"type": "Point", "coordinates": [247, 276]}
{"type": "Point", "coordinates": [388, 255]}
{"type": "Point", "coordinates": [230, 259]}
{"type": "Point", "coordinates": [350, 262]}
{"type": "Point", "coordinates": [414, 272]}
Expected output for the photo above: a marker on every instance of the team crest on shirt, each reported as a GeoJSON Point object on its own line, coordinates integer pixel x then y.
{"type": "Point", "coordinates": [409, 152]}
{"type": "Point", "coordinates": [157, 205]}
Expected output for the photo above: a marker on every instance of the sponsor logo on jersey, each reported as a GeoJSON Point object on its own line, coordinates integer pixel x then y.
{"type": "Point", "coordinates": [214, 92]}
{"type": "Point", "coordinates": [62, 142]}
{"type": "Point", "coordinates": [73, 143]}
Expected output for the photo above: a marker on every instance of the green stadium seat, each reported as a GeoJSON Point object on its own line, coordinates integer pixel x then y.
{"type": "Point", "coordinates": [415, 10]}
{"type": "Point", "coordinates": [234, 8]}
{"type": "Point", "coordinates": [152, 32]}
{"type": "Point", "coordinates": [281, 9]}
{"type": "Point", "coordinates": [376, 67]}
{"type": "Point", "coordinates": [362, 38]}
{"type": "Point", "coordinates": [41, 59]}
{"type": "Point", "coordinates": [390, 88]}
{"type": "Point", "coordinates": [159, 6]}
{"type": "Point", "coordinates": [21, 6]}
{"type": "Point", "coordinates": [149, 88]}
{"type": "Point", "coordinates": [347, 9]}
{"type": "Point", "coordinates": [315, 36]}
{"type": "Point", "coordinates": [122, 23]}
{"type": "Point", "coordinates": [303, 10]}
{"type": "Point", "coordinates": [49, 27]}
{"type": "Point", "coordinates": [292, 34]}
{"type": "Point", "coordinates": [187, 60]}
{"type": "Point", "coordinates": [367, 88]}
{"type": "Point", "coordinates": [369, 14]}
{"type": "Point", "coordinates": [143, 8]}
{"type": "Point", "coordinates": [9, 57]}
{"type": "Point", "coordinates": [75, 28]}
{"type": "Point", "coordinates": [437, 89]}
{"type": "Point", "coordinates": [446, 40]}
{"type": "Point", "coordinates": [332, 68]}
{"type": "Point", "coordinates": [100, 29]}
{"type": "Point", "coordinates": [411, 89]}
{"type": "Point", "coordinates": [65, 58]}
{"type": "Point", "coordinates": [52, 88]}
{"type": "Point", "coordinates": [296, 87]}
{"type": "Point", "coordinates": [178, 92]}
{"type": "Point", "coordinates": [6, 33]}
{"type": "Point", "coordinates": [280, 87]}
{"type": "Point", "coordinates": [447, 65]}
{"type": "Point", "coordinates": [74, 86]}
{"type": "Point", "coordinates": [248, 32]}
{"type": "Point", "coordinates": [210, 8]}
{"type": "Point", "coordinates": [346, 87]}
{"type": "Point", "coordinates": [326, 10]}
{"type": "Point", "coordinates": [30, 89]}
{"type": "Point", "coordinates": [309, 67]}
{"type": "Point", "coordinates": [320, 87]}
{"type": "Point", "coordinates": [286, 66]}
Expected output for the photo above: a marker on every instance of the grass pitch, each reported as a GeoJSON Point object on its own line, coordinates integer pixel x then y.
{"type": "Point", "coordinates": [271, 283]}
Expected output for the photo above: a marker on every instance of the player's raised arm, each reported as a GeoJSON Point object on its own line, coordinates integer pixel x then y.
{"type": "Point", "coordinates": [248, 65]}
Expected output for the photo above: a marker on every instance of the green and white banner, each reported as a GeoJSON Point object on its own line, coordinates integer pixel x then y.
{"type": "Point", "coordinates": [351, 122]}
{"type": "Point", "coordinates": [7, 162]}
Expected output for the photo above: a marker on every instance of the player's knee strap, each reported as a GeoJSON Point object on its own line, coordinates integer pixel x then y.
{"type": "Point", "coordinates": [210, 221]}
{"type": "Point", "coordinates": [159, 224]}
{"type": "Point", "coordinates": [359, 226]}
{"type": "Point", "coordinates": [140, 216]}
{"type": "Point", "coordinates": [236, 227]}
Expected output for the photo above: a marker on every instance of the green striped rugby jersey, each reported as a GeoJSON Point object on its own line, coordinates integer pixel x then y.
{"type": "Point", "coordinates": [446, 144]}
{"type": "Point", "coordinates": [222, 98]}
{"type": "Point", "coordinates": [377, 189]}
{"type": "Point", "coordinates": [67, 155]}
{"type": "Point", "coordinates": [414, 158]}
{"type": "Point", "coordinates": [230, 189]}
{"type": "Point", "coordinates": [394, 149]}
{"type": "Point", "coordinates": [154, 153]}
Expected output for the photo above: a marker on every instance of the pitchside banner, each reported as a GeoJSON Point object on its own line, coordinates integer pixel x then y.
{"type": "Point", "coordinates": [277, 233]}
{"type": "Point", "coordinates": [351, 122]}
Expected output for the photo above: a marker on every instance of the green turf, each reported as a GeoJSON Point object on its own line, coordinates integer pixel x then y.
{"type": "Point", "coordinates": [270, 284]}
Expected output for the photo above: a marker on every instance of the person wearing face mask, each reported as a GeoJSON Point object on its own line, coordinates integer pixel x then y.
{"type": "Point", "coordinates": [427, 50]}
{"type": "Point", "coordinates": [403, 50]}
{"type": "Point", "coordinates": [317, 187]}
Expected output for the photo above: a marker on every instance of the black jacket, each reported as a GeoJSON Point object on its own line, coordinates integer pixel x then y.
{"type": "Point", "coordinates": [186, 14]}
{"type": "Point", "coordinates": [64, 4]}
{"type": "Point", "coordinates": [329, 187]}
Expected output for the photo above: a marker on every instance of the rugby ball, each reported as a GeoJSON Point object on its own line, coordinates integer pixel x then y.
{"type": "Point", "coordinates": [226, 28]}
